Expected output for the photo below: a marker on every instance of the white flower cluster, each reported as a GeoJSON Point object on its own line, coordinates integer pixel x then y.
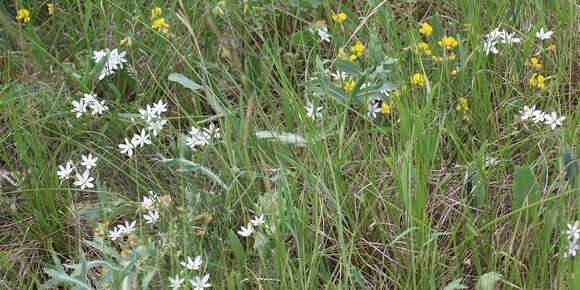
{"type": "Point", "coordinates": [323, 34]}
{"type": "Point", "coordinates": [373, 107]}
{"type": "Point", "coordinates": [90, 101]}
{"type": "Point", "coordinates": [200, 137]}
{"type": "Point", "coordinates": [122, 230]}
{"type": "Point", "coordinates": [495, 36]}
{"type": "Point", "coordinates": [248, 230]}
{"type": "Point", "coordinates": [573, 234]}
{"type": "Point", "coordinates": [150, 203]}
{"type": "Point", "coordinates": [338, 76]}
{"type": "Point", "coordinates": [152, 115]}
{"type": "Point", "coordinates": [198, 282]}
{"type": "Point", "coordinates": [114, 61]}
{"type": "Point", "coordinates": [83, 179]}
{"type": "Point", "coordinates": [313, 113]}
{"type": "Point", "coordinates": [537, 116]}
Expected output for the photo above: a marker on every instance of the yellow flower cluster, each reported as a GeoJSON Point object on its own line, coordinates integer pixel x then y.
{"type": "Point", "coordinates": [23, 15]}
{"type": "Point", "coordinates": [448, 42]}
{"type": "Point", "coordinates": [158, 22]}
{"type": "Point", "coordinates": [339, 18]}
{"type": "Point", "coordinates": [537, 80]}
{"type": "Point", "coordinates": [418, 80]}
{"type": "Point", "coordinates": [462, 105]}
{"type": "Point", "coordinates": [348, 86]}
{"type": "Point", "coordinates": [424, 48]}
{"type": "Point", "coordinates": [535, 63]}
{"type": "Point", "coordinates": [50, 8]}
{"type": "Point", "coordinates": [426, 29]}
{"type": "Point", "coordinates": [385, 108]}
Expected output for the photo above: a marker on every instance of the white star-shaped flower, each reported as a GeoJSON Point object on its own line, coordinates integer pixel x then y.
{"type": "Point", "coordinates": [127, 147]}
{"type": "Point", "coordinates": [176, 282]}
{"type": "Point", "coordinates": [194, 264]}
{"type": "Point", "coordinates": [88, 161]}
{"type": "Point", "coordinates": [527, 113]}
{"type": "Point", "coordinates": [258, 220]}
{"type": "Point", "coordinates": [84, 180]}
{"type": "Point", "coordinates": [543, 35]}
{"type": "Point", "coordinates": [151, 217]}
{"type": "Point", "coordinates": [65, 171]}
{"type": "Point", "coordinates": [246, 231]}
{"type": "Point", "coordinates": [79, 107]}
{"type": "Point", "coordinates": [139, 140]}
{"type": "Point", "coordinates": [312, 113]}
{"type": "Point", "coordinates": [200, 283]}
{"type": "Point", "coordinates": [553, 120]}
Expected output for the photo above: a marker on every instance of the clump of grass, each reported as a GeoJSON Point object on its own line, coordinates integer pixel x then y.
{"type": "Point", "coordinates": [291, 145]}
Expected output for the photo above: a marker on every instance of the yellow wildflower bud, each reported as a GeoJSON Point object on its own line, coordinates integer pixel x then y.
{"type": "Point", "coordinates": [348, 86]}
{"type": "Point", "coordinates": [50, 8]}
{"type": "Point", "coordinates": [448, 42]}
{"type": "Point", "coordinates": [219, 8]}
{"type": "Point", "coordinates": [385, 108]}
{"type": "Point", "coordinates": [23, 15]}
{"type": "Point", "coordinates": [126, 41]}
{"type": "Point", "coordinates": [462, 105]}
{"type": "Point", "coordinates": [418, 80]}
{"type": "Point", "coordinates": [551, 48]}
{"type": "Point", "coordinates": [452, 56]}
{"type": "Point", "coordinates": [426, 29]}
{"type": "Point", "coordinates": [352, 58]}
{"type": "Point", "coordinates": [160, 25]}
{"type": "Point", "coordinates": [340, 17]}
{"type": "Point", "coordinates": [358, 49]}
{"type": "Point", "coordinates": [535, 63]}
{"type": "Point", "coordinates": [424, 48]}
{"type": "Point", "coordinates": [155, 12]}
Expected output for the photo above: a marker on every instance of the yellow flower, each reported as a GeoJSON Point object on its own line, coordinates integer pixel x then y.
{"type": "Point", "coordinates": [454, 72]}
{"type": "Point", "coordinates": [437, 58]}
{"type": "Point", "coordinates": [448, 42]}
{"type": "Point", "coordinates": [452, 56]}
{"type": "Point", "coordinates": [551, 48]}
{"type": "Point", "coordinates": [537, 80]}
{"type": "Point", "coordinates": [426, 29]}
{"type": "Point", "coordinates": [126, 41]}
{"type": "Point", "coordinates": [23, 15]}
{"type": "Point", "coordinates": [155, 12]}
{"type": "Point", "coordinates": [424, 48]}
{"type": "Point", "coordinates": [50, 8]}
{"type": "Point", "coordinates": [385, 108]}
{"type": "Point", "coordinates": [394, 94]}
{"type": "Point", "coordinates": [348, 86]}
{"type": "Point", "coordinates": [535, 63]}
{"type": "Point", "coordinates": [340, 17]}
{"type": "Point", "coordinates": [418, 79]}
{"type": "Point", "coordinates": [160, 25]}
{"type": "Point", "coordinates": [352, 58]}
{"type": "Point", "coordinates": [358, 49]}
{"type": "Point", "coordinates": [462, 105]}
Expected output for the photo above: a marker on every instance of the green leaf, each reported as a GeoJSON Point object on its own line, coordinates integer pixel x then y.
{"type": "Point", "coordinates": [303, 38]}
{"type": "Point", "coordinates": [487, 281]}
{"type": "Point", "coordinates": [186, 82]}
{"type": "Point", "coordinates": [455, 284]}
{"type": "Point", "coordinates": [288, 138]}
{"type": "Point", "coordinates": [185, 165]}
{"type": "Point", "coordinates": [348, 67]}
{"type": "Point", "coordinates": [358, 278]}
{"type": "Point", "coordinates": [524, 187]}
{"type": "Point", "coordinates": [237, 248]}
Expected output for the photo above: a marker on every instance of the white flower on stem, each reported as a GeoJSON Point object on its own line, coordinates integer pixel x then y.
{"type": "Point", "coordinates": [194, 264]}
{"type": "Point", "coordinates": [489, 47]}
{"type": "Point", "coordinates": [323, 34]}
{"type": "Point", "coordinates": [128, 228]}
{"type": "Point", "coordinates": [527, 113]}
{"type": "Point", "coordinates": [543, 35]}
{"type": "Point", "coordinates": [573, 231]}
{"type": "Point", "coordinates": [176, 282]}
{"type": "Point", "coordinates": [151, 217]}
{"type": "Point", "coordinates": [148, 113]}
{"type": "Point", "coordinates": [90, 98]}
{"type": "Point", "coordinates": [114, 60]}
{"type": "Point", "coordinates": [139, 140]}
{"type": "Point", "coordinates": [65, 171]}
{"type": "Point", "coordinates": [199, 283]}
{"type": "Point", "coordinates": [115, 233]}
{"type": "Point", "coordinates": [510, 38]}
{"type": "Point", "coordinates": [148, 203]}
{"type": "Point", "coordinates": [98, 107]}
{"type": "Point", "coordinates": [159, 107]}
{"type": "Point", "coordinates": [126, 148]}
{"type": "Point", "coordinates": [258, 220]}
{"type": "Point", "coordinates": [312, 113]}
{"type": "Point", "coordinates": [84, 180]}
{"type": "Point", "coordinates": [373, 108]}
{"type": "Point", "coordinates": [155, 126]}
{"type": "Point", "coordinates": [246, 231]}
{"type": "Point", "coordinates": [572, 249]}
{"type": "Point", "coordinates": [553, 120]}
{"type": "Point", "coordinates": [338, 76]}
{"type": "Point", "coordinates": [538, 116]}
{"type": "Point", "coordinates": [88, 161]}
{"type": "Point", "coordinates": [197, 138]}
{"type": "Point", "coordinates": [213, 131]}
{"type": "Point", "coordinates": [79, 107]}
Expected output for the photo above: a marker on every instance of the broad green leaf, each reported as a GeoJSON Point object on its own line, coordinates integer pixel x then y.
{"type": "Point", "coordinates": [288, 138]}
{"type": "Point", "coordinates": [524, 187]}
{"type": "Point", "coordinates": [487, 281]}
{"type": "Point", "coordinates": [186, 82]}
{"type": "Point", "coordinates": [348, 67]}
